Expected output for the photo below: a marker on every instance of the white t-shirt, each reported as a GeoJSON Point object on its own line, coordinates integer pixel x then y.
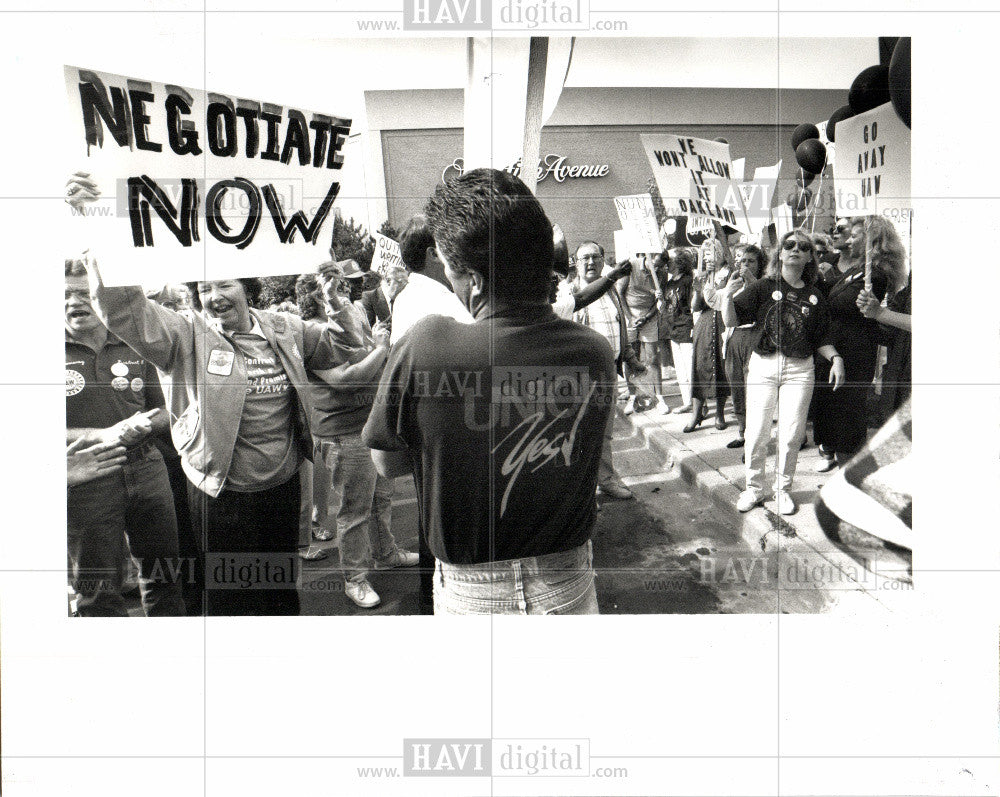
{"type": "Point", "coordinates": [565, 303]}
{"type": "Point", "coordinates": [422, 297]}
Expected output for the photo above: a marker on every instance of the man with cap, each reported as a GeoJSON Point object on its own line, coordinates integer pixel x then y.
{"type": "Point", "coordinates": [341, 402]}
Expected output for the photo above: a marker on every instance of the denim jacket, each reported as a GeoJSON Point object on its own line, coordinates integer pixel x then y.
{"type": "Point", "coordinates": [205, 399]}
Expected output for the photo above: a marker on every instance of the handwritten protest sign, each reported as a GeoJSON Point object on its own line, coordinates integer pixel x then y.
{"type": "Point", "coordinates": [638, 218]}
{"type": "Point", "coordinates": [387, 254]}
{"type": "Point", "coordinates": [872, 171]}
{"type": "Point", "coordinates": [201, 185]}
{"type": "Point", "coordinates": [695, 177]}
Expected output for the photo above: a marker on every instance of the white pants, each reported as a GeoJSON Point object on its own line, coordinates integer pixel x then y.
{"type": "Point", "coordinates": [785, 384]}
{"type": "Point", "coordinates": [683, 364]}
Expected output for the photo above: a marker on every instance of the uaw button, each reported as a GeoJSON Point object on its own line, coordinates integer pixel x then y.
{"type": "Point", "coordinates": [119, 369]}
{"type": "Point", "coordinates": [74, 382]}
{"type": "Point", "coordinates": [137, 384]}
{"type": "Point", "coordinates": [776, 296]}
{"type": "Point", "coordinates": [813, 299]}
{"type": "Point", "coordinates": [119, 383]}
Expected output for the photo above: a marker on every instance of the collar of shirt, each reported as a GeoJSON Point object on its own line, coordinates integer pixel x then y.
{"type": "Point", "coordinates": [254, 330]}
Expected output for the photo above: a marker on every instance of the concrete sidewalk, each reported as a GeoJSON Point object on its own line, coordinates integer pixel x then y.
{"type": "Point", "coordinates": [717, 472]}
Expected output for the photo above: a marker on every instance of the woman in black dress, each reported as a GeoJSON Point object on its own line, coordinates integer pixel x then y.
{"type": "Point", "coordinates": [840, 426]}
{"type": "Point", "coordinates": [750, 263]}
{"type": "Point", "coordinates": [708, 373]}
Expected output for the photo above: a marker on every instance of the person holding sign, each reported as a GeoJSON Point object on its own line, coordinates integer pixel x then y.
{"type": "Point", "coordinates": [840, 425]}
{"type": "Point", "coordinates": [793, 319]}
{"type": "Point", "coordinates": [643, 296]}
{"type": "Point", "coordinates": [235, 378]}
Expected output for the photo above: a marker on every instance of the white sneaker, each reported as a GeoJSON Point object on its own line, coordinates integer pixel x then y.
{"type": "Point", "coordinates": [748, 500]}
{"type": "Point", "coordinates": [629, 406]}
{"type": "Point", "coordinates": [399, 558]}
{"type": "Point", "coordinates": [783, 502]}
{"type": "Point", "coordinates": [361, 593]}
{"type": "Point", "coordinates": [825, 465]}
{"type": "Point", "coordinates": [664, 407]}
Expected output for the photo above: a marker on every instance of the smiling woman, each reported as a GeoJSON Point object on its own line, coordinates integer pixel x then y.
{"type": "Point", "coordinates": [234, 377]}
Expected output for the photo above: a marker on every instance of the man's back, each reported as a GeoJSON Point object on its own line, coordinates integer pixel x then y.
{"type": "Point", "coordinates": [508, 417]}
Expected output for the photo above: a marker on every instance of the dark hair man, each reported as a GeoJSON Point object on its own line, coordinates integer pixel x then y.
{"type": "Point", "coordinates": [114, 401]}
{"type": "Point", "coordinates": [502, 421]}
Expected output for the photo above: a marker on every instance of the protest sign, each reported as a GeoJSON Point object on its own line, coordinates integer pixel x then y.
{"type": "Point", "coordinates": [387, 254]}
{"type": "Point", "coordinates": [200, 185]}
{"type": "Point", "coordinates": [872, 171]}
{"type": "Point", "coordinates": [638, 218]}
{"type": "Point", "coordinates": [695, 177]}
{"type": "Point", "coordinates": [739, 167]}
{"type": "Point", "coordinates": [757, 195]}
{"type": "Point", "coordinates": [783, 221]}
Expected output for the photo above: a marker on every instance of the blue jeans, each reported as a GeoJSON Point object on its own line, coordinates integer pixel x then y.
{"type": "Point", "coordinates": [556, 583]}
{"type": "Point", "coordinates": [360, 500]}
{"type": "Point", "coordinates": [136, 504]}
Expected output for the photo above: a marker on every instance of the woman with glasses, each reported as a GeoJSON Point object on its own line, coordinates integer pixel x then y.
{"type": "Point", "coordinates": [793, 320]}
{"type": "Point", "coordinates": [840, 423]}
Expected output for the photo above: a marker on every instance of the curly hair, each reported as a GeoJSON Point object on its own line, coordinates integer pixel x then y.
{"type": "Point", "coordinates": [888, 252]}
{"type": "Point", "coordinates": [811, 271]}
{"type": "Point", "coordinates": [759, 254]}
{"type": "Point", "coordinates": [251, 286]}
{"type": "Point", "coordinates": [305, 289]}
{"type": "Point", "coordinates": [683, 261]}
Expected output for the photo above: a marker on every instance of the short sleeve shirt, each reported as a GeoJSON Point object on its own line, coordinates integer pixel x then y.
{"type": "Point", "coordinates": [505, 420]}
{"type": "Point", "coordinates": [266, 452]}
{"type": "Point", "coordinates": [107, 386]}
{"type": "Point", "coordinates": [793, 321]}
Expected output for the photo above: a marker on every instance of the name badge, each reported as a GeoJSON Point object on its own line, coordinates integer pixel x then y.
{"type": "Point", "coordinates": [220, 362]}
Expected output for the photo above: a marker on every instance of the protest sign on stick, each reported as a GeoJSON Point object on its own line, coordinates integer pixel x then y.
{"type": "Point", "coordinates": [387, 254]}
{"type": "Point", "coordinates": [200, 185]}
{"type": "Point", "coordinates": [638, 219]}
{"type": "Point", "coordinates": [695, 178]}
{"type": "Point", "coordinates": [872, 171]}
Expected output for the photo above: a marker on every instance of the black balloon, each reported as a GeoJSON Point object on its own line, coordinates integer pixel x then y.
{"type": "Point", "coordinates": [811, 155]}
{"type": "Point", "coordinates": [839, 115]}
{"type": "Point", "coordinates": [870, 89]}
{"type": "Point", "coordinates": [803, 178]}
{"type": "Point", "coordinates": [803, 132]}
{"type": "Point", "coordinates": [899, 79]}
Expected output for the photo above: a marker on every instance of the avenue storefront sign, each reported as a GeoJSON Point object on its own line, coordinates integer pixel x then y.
{"type": "Point", "coordinates": [552, 165]}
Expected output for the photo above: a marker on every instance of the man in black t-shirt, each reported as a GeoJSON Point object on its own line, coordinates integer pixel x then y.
{"type": "Point", "coordinates": [502, 421]}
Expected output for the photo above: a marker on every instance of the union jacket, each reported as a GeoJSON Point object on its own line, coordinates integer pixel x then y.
{"type": "Point", "coordinates": [204, 376]}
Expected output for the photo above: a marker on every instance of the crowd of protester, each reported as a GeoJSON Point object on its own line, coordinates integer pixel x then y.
{"type": "Point", "coordinates": [210, 438]}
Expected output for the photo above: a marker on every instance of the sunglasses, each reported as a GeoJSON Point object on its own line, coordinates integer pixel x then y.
{"type": "Point", "coordinates": [791, 244]}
